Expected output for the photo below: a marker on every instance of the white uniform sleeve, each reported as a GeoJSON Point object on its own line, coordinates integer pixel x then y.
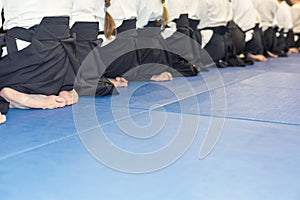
{"type": "Point", "coordinates": [83, 11]}
{"type": "Point", "coordinates": [143, 13]}
{"type": "Point", "coordinates": [295, 11]}
{"type": "Point", "coordinates": [1, 7]}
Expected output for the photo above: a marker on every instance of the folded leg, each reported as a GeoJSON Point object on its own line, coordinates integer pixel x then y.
{"type": "Point", "coordinates": [25, 101]}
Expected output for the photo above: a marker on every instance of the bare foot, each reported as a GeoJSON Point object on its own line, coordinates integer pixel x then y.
{"type": "Point", "coordinates": [293, 50]}
{"type": "Point", "coordinates": [2, 118]}
{"type": "Point", "coordinates": [25, 101]}
{"type": "Point", "coordinates": [272, 55]}
{"type": "Point", "coordinates": [119, 82]}
{"type": "Point", "coordinates": [71, 97]}
{"type": "Point", "coordinates": [258, 57]}
{"type": "Point", "coordinates": [165, 76]}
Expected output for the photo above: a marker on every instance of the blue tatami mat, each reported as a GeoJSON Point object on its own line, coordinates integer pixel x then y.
{"type": "Point", "coordinates": [228, 134]}
{"type": "Point", "coordinates": [145, 95]}
{"type": "Point", "coordinates": [271, 96]}
{"type": "Point", "coordinates": [288, 65]}
{"type": "Point", "coordinates": [251, 160]}
{"type": "Point", "coordinates": [148, 95]}
{"type": "Point", "coordinates": [29, 129]}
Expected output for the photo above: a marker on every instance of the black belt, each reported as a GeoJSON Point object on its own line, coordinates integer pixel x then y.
{"type": "Point", "coordinates": [50, 28]}
{"type": "Point", "coordinates": [220, 30]}
{"type": "Point", "coordinates": [127, 25]}
{"type": "Point", "coordinates": [156, 23]}
{"type": "Point", "coordinates": [85, 31]}
{"type": "Point", "coordinates": [194, 23]}
{"type": "Point", "coordinates": [182, 21]}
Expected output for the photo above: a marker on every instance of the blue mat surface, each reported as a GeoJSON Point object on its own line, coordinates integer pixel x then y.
{"type": "Point", "coordinates": [270, 96]}
{"type": "Point", "coordinates": [252, 160]}
{"type": "Point", "coordinates": [226, 134]}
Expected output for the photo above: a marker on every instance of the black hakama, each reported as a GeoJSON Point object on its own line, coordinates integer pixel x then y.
{"type": "Point", "coordinates": [269, 40]}
{"type": "Point", "coordinates": [255, 45]}
{"type": "Point", "coordinates": [120, 55]}
{"type": "Point", "coordinates": [185, 42]}
{"type": "Point", "coordinates": [47, 66]}
{"type": "Point", "coordinates": [153, 48]}
{"type": "Point", "coordinates": [86, 42]}
{"type": "Point", "coordinates": [217, 46]}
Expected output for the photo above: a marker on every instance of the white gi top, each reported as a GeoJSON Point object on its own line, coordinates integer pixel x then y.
{"type": "Point", "coordinates": [229, 10]}
{"type": "Point", "coordinates": [83, 11]}
{"type": "Point", "coordinates": [120, 10]}
{"type": "Point", "coordinates": [256, 3]}
{"type": "Point", "coordinates": [266, 10]}
{"type": "Point", "coordinates": [27, 13]}
{"type": "Point", "coordinates": [295, 10]}
{"type": "Point", "coordinates": [214, 13]}
{"type": "Point", "coordinates": [148, 10]}
{"type": "Point", "coordinates": [194, 9]}
{"type": "Point", "coordinates": [284, 17]}
{"type": "Point", "coordinates": [176, 8]}
{"type": "Point", "coordinates": [244, 14]}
